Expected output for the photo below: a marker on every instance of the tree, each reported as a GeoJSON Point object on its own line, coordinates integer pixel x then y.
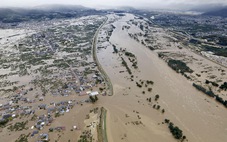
{"type": "Point", "coordinates": [163, 110]}
{"type": "Point", "coordinates": [183, 138]}
{"type": "Point", "coordinates": [65, 86]}
{"type": "Point", "coordinates": [176, 132]}
{"type": "Point", "coordinates": [92, 99]}
{"type": "Point", "coordinates": [96, 98]}
{"type": "Point", "coordinates": [115, 49]}
{"type": "Point", "coordinates": [149, 99]}
{"type": "Point", "coordinates": [149, 89]}
{"type": "Point", "coordinates": [166, 120]}
{"type": "Point", "coordinates": [3, 122]}
{"type": "Point", "coordinates": [156, 97]}
{"type": "Point", "coordinates": [158, 107]}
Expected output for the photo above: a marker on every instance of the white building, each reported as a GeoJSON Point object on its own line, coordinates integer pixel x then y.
{"type": "Point", "coordinates": [95, 93]}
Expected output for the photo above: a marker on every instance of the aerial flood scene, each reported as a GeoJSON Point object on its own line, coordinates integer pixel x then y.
{"type": "Point", "coordinates": [116, 71]}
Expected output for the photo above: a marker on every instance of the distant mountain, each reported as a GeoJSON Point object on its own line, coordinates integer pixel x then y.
{"type": "Point", "coordinates": [8, 15]}
{"type": "Point", "coordinates": [116, 8]}
{"type": "Point", "coordinates": [61, 8]}
{"type": "Point", "coordinates": [125, 8]}
{"type": "Point", "coordinates": [4, 12]}
{"type": "Point", "coordinates": [207, 7]}
{"type": "Point", "coordinates": [120, 9]}
{"type": "Point", "coordinates": [12, 15]}
{"type": "Point", "coordinates": [221, 12]}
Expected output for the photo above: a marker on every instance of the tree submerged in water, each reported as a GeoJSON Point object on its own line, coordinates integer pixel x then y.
{"type": "Point", "coordinates": [93, 99]}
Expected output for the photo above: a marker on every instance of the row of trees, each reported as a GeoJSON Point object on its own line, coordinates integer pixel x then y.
{"type": "Point", "coordinates": [176, 131]}
{"type": "Point", "coordinates": [124, 63]}
{"type": "Point", "coordinates": [213, 83]}
{"type": "Point", "coordinates": [210, 93]}
{"type": "Point", "coordinates": [129, 54]}
{"type": "Point", "coordinates": [115, 49]}
{"type": "Point", "coordinates": [224, 86]}
{"type": "Point", "coordinates": [156, 97]}
{"type": "Point", "coordinates": [220, 100]}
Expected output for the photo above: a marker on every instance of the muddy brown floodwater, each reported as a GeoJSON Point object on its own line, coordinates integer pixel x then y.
{"type": "Point", "coordinates": [200, 118]}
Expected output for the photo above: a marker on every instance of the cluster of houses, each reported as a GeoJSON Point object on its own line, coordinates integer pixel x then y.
{"type": "Point", "coordinates": [13, 109]}
{"type": "Point", "coordinates": [78, 83]}
{"type": "Point", "coordinates": [80, 79]}
{"type": "Point", "coordinates": [20, 105]}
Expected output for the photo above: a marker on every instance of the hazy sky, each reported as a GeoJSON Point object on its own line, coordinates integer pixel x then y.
{"type": "Point", "coordinates": [92, 3]}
